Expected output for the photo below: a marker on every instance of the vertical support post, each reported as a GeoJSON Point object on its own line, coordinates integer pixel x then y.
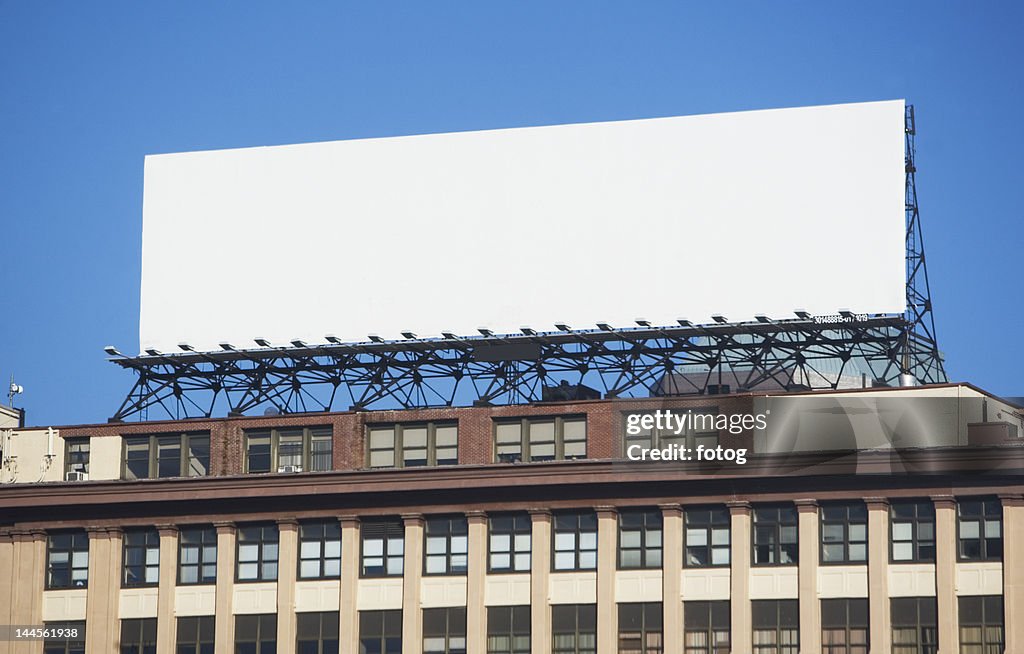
{"type": "Point", "coordinates": [102, 598]}
{"type": "Point", "coordinates": [739, 578]}
{"type": "Point", "coordinates": [287, 571]}
{"type": "Point", "coordinates": [672, 577]}
{"type": "Point", "coordinates": [348, 602]}
{"type": "Point", "coordinates": [540, 580]}
{"type": "Point", "coordinates": [412, 616]}
{"type": "Point", "coordinates": [945, 574]}
{"type": "Point", "coordinates": [224, 619]}
{"type": "Point", "coordinates": [608, 619]}
{"type": "Point", "coordinates": [476, 611]}
{"type": "Point", "coordinates": [810, 608]}
{"type": "Point", "coordinates": [1013, 570]}
{"type": "Point", "coordinates": [166, 625]}
{"type": "Point", "coordinates": [878, 574]}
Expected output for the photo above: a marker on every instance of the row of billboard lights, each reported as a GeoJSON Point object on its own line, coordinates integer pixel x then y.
{"type": "Point", "coordinates": [484, 331]}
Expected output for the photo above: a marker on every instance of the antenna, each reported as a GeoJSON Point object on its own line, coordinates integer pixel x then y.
{"type": "Point", "coordinates": [13, 390]}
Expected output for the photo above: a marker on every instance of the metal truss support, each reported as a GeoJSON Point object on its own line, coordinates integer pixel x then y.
{"type": "Point", "coordinates": [690, 359]}
{"type": "Point", "coordinates": [920, 356]}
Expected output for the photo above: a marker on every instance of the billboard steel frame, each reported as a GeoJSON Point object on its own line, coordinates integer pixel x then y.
{"type": "Point", "coordinates": [647, 361]}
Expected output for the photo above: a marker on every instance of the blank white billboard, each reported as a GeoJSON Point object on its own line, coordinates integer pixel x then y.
{"type": "Point", "coordinates": [736, 214]}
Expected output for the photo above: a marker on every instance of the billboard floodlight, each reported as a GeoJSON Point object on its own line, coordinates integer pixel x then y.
{"type": "Point", "coordinates": [226, 346]}
{"type": "Point", "coordinates": [603, 326]}
{"type": "Point", "coordinates": [683, 322]}
{"type": "Point", "coordinates": [762, 318]}
{"type": "Point", "coordinates": [528, 331]}
{"type": "Point", "coordinates": [331, 338]}
{"type": "Point", "coordinates": [719, 318]}
{"type": "Point", "coordinates": [802, 314]}
{"type": "Point", "coordinates": [643, 323]}
{"type": "Point", "coordinates": [563, 327]}
{"type": "Point", "coordinates": [485, 332]}
{"type": "Point", "coordinates": [375, 338]}
{"type": "Point", "coordinates": [450, 336]}
{"type": "Point", "coordinates": [298, 342]}
{"type": "Point", "coordinates": [846, 313]}
{"type": "Point", "coordinates": [186, 347]}
{"type": "Point", "coordinates": [408, 334]}
{"type": "Point", "coordinates": [112, 351]}
{"type": "Point", "coordinates": [262, 342]}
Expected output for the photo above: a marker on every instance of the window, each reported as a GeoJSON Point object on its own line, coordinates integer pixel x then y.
{"type": "Point", "coordinates": [76, 455]}
{"type": "Point", "coordinates": [293, 450]}
{"type": "Point", "coordinates": [540, 439]}
{"type": "Point", "coordinates": [317, 633]}
{"type": "Point", "coordinates": [699, 429]}
{"type": "Point", "coordinates": [913, 532]}
{"type": "Point", "coordinates": [195, 635]}
{"type": "Point", "coordinates": [510, 537]}
{"type": "Point", "coordinates": [141, 563]}
{"type": "Point", "coordinates": [706, 627]}
{"type": "Point", "coordinates": [640, 628]}
{"type": "Point", "coordinates": [980, 530]}
{"type": "Point", "coordinates": [412, 445]}
{"type": "Point", "coordinates": [197, 555]}
{"type": "Point", "coordinates": [508, 629]}
{"type": "Point", "coordinates": [138, 636]}
{"type": "Point", "coordinates": [380, 632]}
{"type": "Point", "coordinates": [383, 548]}
{"type": "Point", "coordinates": [575, 541]}
{"type": "Point", "coordinates": [257, 553]}
{"type": "Point", "coordinates": [256, 634]}
{"type": "Point", "coordinates": [444, 631]}
{"type": "Point", "coordinates": [574, 629]}
{"type": "Point", "coordinates": [447, 546]}
{"type": "Point", "coordinates": [706, 536]}
{"type": "Point", "coordinates": [844, 626]}
{"type": "Point", "coordinates": [914, 625]}
{"type": "Point", "coordinates": [981, 624]}
{"type": "Point", "coordinates": [67, 559]}
{"type": "Point", "coordinates": [844, 533]}
{"type": "Point", "coordinates": [640, 539]}
{"type": "Point", "coordinates": [775, 535]}
{"type": "Point", "coordinates": [166, 455]}
{"type": "Point", "coordinates": [320, 550]}
{"type": "Point", "coordinates": [73, 644]}
{"type": "Point", "coordinates": [776, 626]}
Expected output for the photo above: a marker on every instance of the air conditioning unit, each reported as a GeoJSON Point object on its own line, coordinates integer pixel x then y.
{"type": "Point", "coordinates": [76, 475]}
{"type": "Point", "coordinates": [288, 469]}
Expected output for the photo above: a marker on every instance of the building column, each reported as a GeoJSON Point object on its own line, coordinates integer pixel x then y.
{"type": "Point", "coordinates": [945, 574]}
{"type": "Point", "coordinates": [7, 586]}
{"type": "Point", "coordinates": [224, 619]}
{"type": "Point", "coordinates": [287, 566]}
{"type": "Point", "coordinates": [1013, 570]}
{"type": "Point", "coordinates": [607, 550]}
{"type": "Point", "coordinates": [672, 577]}
{"type": "Point", "coordinates": [412, 615]}
{"type": "Point", "coordinates": [878, 575]}
{"type": "Point", "coordinates": [476, 579]}
{"type": "Point", "coordinates": [348, 602]}
{"type": "Point", "coordinates": [29, 580]}
{"type": "Point", "coordinates": [102, 602]}
{"type": "Point", "coordinates": [739, 577]}
{"type": "Point", "coordinates": [167, 627]}
{"type": "Point", "coordinates": [540, 580]}
{"type": "Point", "coordinates": [810, 607]}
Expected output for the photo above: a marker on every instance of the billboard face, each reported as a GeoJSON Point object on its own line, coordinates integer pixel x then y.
{"type": "Point", "coordinates": [737, 214]}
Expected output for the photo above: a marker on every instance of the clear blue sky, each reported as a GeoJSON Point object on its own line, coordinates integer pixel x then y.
{"type": "Point", "coordinates": [88, 89]}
